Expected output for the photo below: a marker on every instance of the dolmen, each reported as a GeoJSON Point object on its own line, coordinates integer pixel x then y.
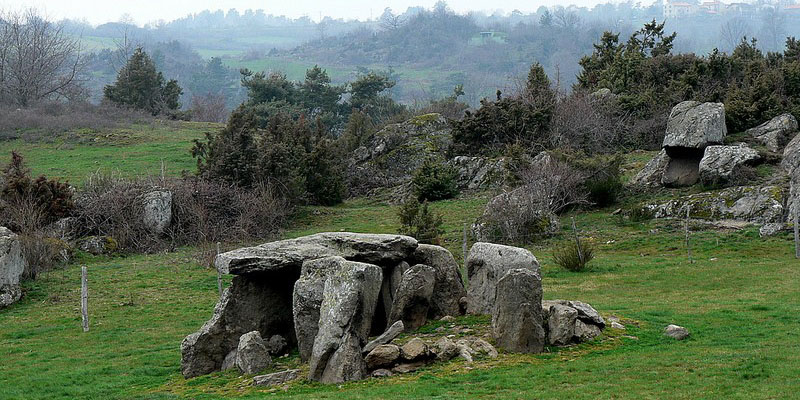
{"type": "Point", "coordinates": [325, 294]}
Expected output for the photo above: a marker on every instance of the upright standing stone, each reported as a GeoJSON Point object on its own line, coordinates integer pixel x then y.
{"type": "Point", "coordinates": [157, 210]}
{"type": "Point", "coordinates": [350, 296]}
{"type": "Point", "coordinates": [413, 297]}
{"type": "Point", "coordinates": [307, 300]}
{"type": "Point", "coordinates": [12, 265]}
{"type": "Point", "coordinates": [517, 317]}
{"type": "Point", "coordinates": [486, 264]}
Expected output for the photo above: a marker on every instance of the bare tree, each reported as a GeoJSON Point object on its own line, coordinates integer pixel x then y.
{"type": "Point", "coordinates": [38, 60]}
{"type": "Point", "coordinates": [209, 108]}
{"type": "Point", "coordinates": [733, 31]}
{"type": "Point", "coordinates": [566, 19]}
{"type": "Point", "coordinates": [391, 21]}
{"type": "Point", "coordinates": [773, 27]}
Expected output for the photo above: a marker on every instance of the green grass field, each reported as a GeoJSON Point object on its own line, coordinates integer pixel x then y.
{"type": "Point", "coordinates": [132, 151]}
{"type": "Point", "coordinates": [739, 298]}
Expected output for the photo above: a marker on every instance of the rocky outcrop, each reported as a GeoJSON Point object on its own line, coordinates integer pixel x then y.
{"type": "Point", "coordinates": [448, 288]}
{"type": "Point", "coordinates": [791, 156]}
{"type": "Point", "coordinates": [392, 155]}
{"type": "Point", "coordinates": [375, 249]}
{"type": "Point", "coordinates": [12, 265]}
{"type": "Point", "coordinates": [756, 204]}
{"type": "Point", "coordinates": [478, 173]}
{"type": "Point", "coordinates": [413, 297]}
{"type": "Point", "coordinates": [486, 264]}
{"type": "Point", "coordinates": [157, 214]}
{"type": "Point", "coordinates": [774, 133]}
{"type": "Point", "coordinates": [262, 305]}
{"type": "Point", "coordinates": [694, 125]}
{"type": "Point", "coordinates": [350, 296]}
{"type": "Point", "coordinates": [517, 316]}
{"type": "Point", "coordinates": [251, 354]}
{"type": "Point", "coordinates": [653, 172]}
{"type": "Point", "coordinates": [720, 163]}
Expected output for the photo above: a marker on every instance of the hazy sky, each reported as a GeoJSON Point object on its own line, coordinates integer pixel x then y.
{"type": "Point", "coordinates": [99, 11]}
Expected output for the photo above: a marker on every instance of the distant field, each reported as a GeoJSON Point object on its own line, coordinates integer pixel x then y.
{"type": "Point", "coordinates": [133, 151]}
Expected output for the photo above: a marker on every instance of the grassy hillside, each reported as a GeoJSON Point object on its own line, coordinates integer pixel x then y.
{"type": "Point", "coordinates": [135, 150]}
{"type": "Point", "coordinates": [739, 299]}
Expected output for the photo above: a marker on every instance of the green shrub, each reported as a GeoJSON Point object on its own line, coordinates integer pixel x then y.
{"type": "Point", "coordinates": [419, 222]}
{"type": "Point", "coordinates": [435, 180]}
{"type": "Point", "coordinates": [574, 256]}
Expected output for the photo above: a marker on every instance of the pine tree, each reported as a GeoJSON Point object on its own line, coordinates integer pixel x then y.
{"type": "Point", "coordinates": [139, 85]}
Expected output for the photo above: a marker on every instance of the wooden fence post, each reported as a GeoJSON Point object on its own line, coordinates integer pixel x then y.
{"type": "Point", "coordinates": [84, 299]}
{"type": "Point", "coordinates": [219, 276]}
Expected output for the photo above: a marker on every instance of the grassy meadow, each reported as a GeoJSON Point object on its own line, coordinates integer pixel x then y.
{"type": "Point", "coordinates": [739, 298]}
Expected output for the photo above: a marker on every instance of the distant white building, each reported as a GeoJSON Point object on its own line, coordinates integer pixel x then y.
{"type": "Point", "coordinates": [678, 9]}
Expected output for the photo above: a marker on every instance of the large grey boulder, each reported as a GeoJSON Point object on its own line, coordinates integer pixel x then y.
{"type": "Point", "coordinates": [517, 317]}
{"type": "Point", "coordinates": [12, 265]}
{"type": "Point", "coordinates": [157, 213]}
{"type": "Point", "coordinates": [251, 354]}
{"type": "Point", "coordinates": [378, 249]}
{"type": "Point", "coordinates": [695, 125]}
{"type": "Point", "coordinates": [350, 296]}
{"type": "Point", "coordinates": [478, 173]}
{"type": "Point", "coordinates": [413, 297]}
{"type": "Point", "coordinates": [449, 286]}
{"type": "Point", "coordinates": [307, 300]}
{"type": "Point", "coordinates": [561, 324]}
{"type": "Point", "coordinates": [756, 204]}
{"type": "Point", "coordinates": [486, 264]}
{"type": "Point", "coordinates": [651, 175]}
{"type": "Point", "coordinates": [248, 305]}
{"type": "Point", "coordinates": [774, 133]}
{"type": "Point", "coordinates": [384, 355]}
{"type": "Point", "coordinates": [721, 163]}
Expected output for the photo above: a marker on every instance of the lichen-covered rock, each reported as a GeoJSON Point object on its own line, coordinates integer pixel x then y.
{"type": "Point", "coordinates": [384, 355]}
{"type": "Point", "coordinates": [585, 332]}
{"type": "Point", "coordinates": [378, 249]}
{"type": "Point", "coordinates": [478, 173]}
{"type": "Point", "coordinates": [445, 349]}
{"type": "Point", "coordinates": [392, 155]}
{"type": "Point", "coordinates": [486, 264]}
{"type": "Point", "coordinates": [413, 297]}
{"type": "Point", "coordinates": [772, 229]}
{"type": "Point", "coordinates": [251, 354]}
{"type": "Point", "coordinates": [307, 300]}
{"type": "Point", "coordinates": [791, 156]}
{"type": "Point", "coordinates": [561, 324]}
{"type": "Point", "coordinates": [247, 305]}
{"type": "Point", "coordinates": [517, 316]}
{"type": "Point", "coordinates": [774, 133]}
{"type": "Point", "coordinates": [481, 346]}
{"type": "Point", "coordinates": [757, 204]}
{"type": "Point", "coordinates": [721, 163]}
{"type": "Point", "coordinates": [449, 286]}
{"type": "Point", "coordinates": [157, 213]}
{"type": "Point", "coordinates": [12, 265]}
{"type": "Point", "coordinates": [651, 175]}
{"type": "Point", "coordinates": [695, 125]}
{"type": "Point", "coordinates": [350, 297]}
{"type": "Point", "coordinates": [98, 245]}
{"type": "Point", "coordinates": [276, 378]}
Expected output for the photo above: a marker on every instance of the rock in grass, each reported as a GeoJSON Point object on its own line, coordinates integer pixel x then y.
{"type": "Point", "coordinates": [484, 347]}
{"type": "Point", "coordinates": [386, 337]}
{"type": "Point", "coordinates": [676, 332]}
{"type": "Point", "coordinates": [277, 378]}
{"type": "Point", "coordinates": [252, 355]}
{"type": "Point", "coordinates": [382, 373]}
{"type": "Point", "coordinates": [445, 349]}
{"type": "Point", "coordinates": [414, 350]}
{"type": "Point", "coordinates": [382, 356]}
{"type": "Point", "coordinates": [561, 324]}
{"type": "Point", "coordinates": [585, 332]}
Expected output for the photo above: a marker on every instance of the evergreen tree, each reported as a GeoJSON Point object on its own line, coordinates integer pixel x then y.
{"type": "Point", "coordinates": [139, 85]}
